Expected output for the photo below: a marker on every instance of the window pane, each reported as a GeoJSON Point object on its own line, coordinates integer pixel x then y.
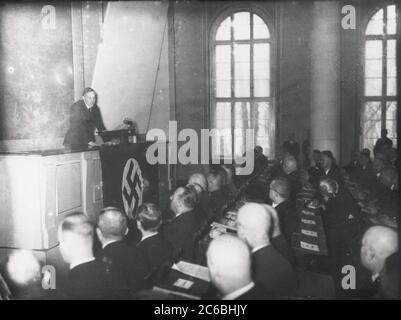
{"type": "Point", "coordinates": [223, 111]}
{"type": "Point", "coordinates": [375, 26]}
{"type": "Point", "coordinates": [391, 119]}
{"type": "Point", "coordinates": [223, 71]}
{"type": "Point", "coordinates": [391, 86]}
{"type": "Point", "coordinates": [261, 70]}
{"type": "Point", "coordinates": [373, 87]}
{"type": "Point", "coordinates": [391, 20]}
{"type": "Point", "coordinates": [372, 129]}
{"type": "Point", "coordinates": [373, 68]}
{"type": "Point", "coordinates": [223, 54]}
{"type": "Point", "coordinates": [264, 127]}
{"type": "Point", "coordinates": [242, 115]}
{"type": "Point", "coordinates": [391, 48]}
{"type": "Point", "coordinates": [223, 88]}
{"type": "Point", "coordinates": [391, 68]}
{"type": "Point", "coordinates": [260, 30]}
{"type": "Point", "coordinates": [374, 49]}
{"type": "Point", "coordinates": [391, 12]}
{"type": "Point", "coordinates": [261, 52]}
{"type": "Point", "coordinates": [262, 88]}
{"type": "Point", "coordinates": [242, 26]}
{"type": "Point", "coordinates": [224, 30]}
{"type": "Point", "coordinates": [372, 111]}
{"type": "Point", "coordinates": [242, 53]}
{"type": "Point", "coordinates": [391, 26]}
{"type": "Point", "coordinates": [242, 70]}
{"type": "Point", "coordinates": [242, 88]}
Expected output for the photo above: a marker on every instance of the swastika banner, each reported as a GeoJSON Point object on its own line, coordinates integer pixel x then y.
{"type": "Point", "coordinates": [128, 179]}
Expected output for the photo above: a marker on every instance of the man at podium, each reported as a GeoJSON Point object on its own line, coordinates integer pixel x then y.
{"type": "Point", "coordinates": [85, 118]}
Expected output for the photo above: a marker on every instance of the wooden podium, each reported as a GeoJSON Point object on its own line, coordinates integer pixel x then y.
{"type": "Point", "coordinates": [37, 189]}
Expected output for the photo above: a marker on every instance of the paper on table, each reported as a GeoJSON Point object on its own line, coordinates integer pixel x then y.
{"type": "Point", "coordinates": [193, 270]}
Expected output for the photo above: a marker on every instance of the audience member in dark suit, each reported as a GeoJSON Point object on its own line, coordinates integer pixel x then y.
{"type": "Point", "coordinates": [88, 278]}
{"type": "Point", "coordinates": [217, 198]}
{"type": "Point", "coordinates": [199, 211]}
{"type": "Point", "coordinates": [181, 231]}
{"type": "Point", "coordinates": [199, 179]}
{"type": "Point", "coordinates": [389, 203]}
{"type": "Point", "coordinates": [390, 278]}
{"type": "Point", "coordinates": [229, 263]}
{"type": "Point", "coordinates": [269, 267]}
{"type": "Point", "coordinates": [339, 217]}
{"type": "Point", "coordinates": [127, 265]}
{"type": "Point", "coordinates": [291, 146]}
{"type": "Point", "coordinates": [280, 195]}
{"type": "Point", "coordinates": [365, 175]}
{"type": "Point", "coordinates": [383, 144]}
{"type": "Point", "coordinates": [316, 171]}
{"type": "Point", "coordinates": [330, 168]}
{"type": "Point", "coordinates": [156, 249]}
{"type": "Point", "coordinates": [378, 243]}
{"type": "Point", "coordinates": [291, 172]}
{"type": "Point", "coordinates": [353, 167]}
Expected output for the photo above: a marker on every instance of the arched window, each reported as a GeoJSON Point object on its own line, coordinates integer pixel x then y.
{"type": "Point", "coordinates": [241, 84]}
{"type": "Point", "coordinates": [379, 110]}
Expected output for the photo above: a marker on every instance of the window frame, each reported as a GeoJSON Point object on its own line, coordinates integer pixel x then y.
{"type": "Point", "coordinates": [383, 99]}
{"type": "Point", "coordinates": [213, 100]}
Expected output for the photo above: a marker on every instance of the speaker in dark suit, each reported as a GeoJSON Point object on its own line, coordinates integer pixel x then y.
{"type": "Point", "coordinates": [85, 117]}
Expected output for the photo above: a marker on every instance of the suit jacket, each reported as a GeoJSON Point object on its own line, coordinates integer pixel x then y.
{"type": "Point", "coordinates": [288, 218]}
{"type": "Point", "coordinates": [257, 292]}
{"type": "Point", "coordinates": [336, 219]}
{"type": "Point", "coordinates": [127, 265]}
{"type": "Point", "coordinates": [335, 174]}
{"type": "Point", "coordinates": [83, 123]}
{"type": "Point", "coordinates": [156, 250]}
{"type": "Point", "coordinates": [316, 173]}
{"type": "Point", "coordinates": [90, 280]}
{"type": "Point", "coordinates": [181, 233]}
{"type": "Point", "coordinates": [271, 270]}
{"type": "Point", "coordinates": [283, 247]}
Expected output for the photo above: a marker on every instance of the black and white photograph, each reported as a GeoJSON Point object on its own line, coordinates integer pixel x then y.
{"type": "Point", "coordinates": [199, 152]}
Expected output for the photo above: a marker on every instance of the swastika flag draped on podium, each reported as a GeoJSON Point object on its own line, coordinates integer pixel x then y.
{"type": "Point", "coordinates": [128, 179]}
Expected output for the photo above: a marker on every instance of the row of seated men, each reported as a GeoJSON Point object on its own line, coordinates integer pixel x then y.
{"type": "Point", "coordinates": [252, 265]}
{"type": "Point", "coordinates": [265, 230]}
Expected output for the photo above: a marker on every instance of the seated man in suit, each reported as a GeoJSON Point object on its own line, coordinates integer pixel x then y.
{"type": "Point", "coordinates": [353, 166]}
{"type": "Point", "coordinates": [88, 278]}
{"type": "Point", "coordinates": [217, 198]}
{"type": "Point", "coordinates": [378, 243]}
{"type": "Point", "coordinates": [330, 167]}
{"type": "Point", "coordinates": [153, 246]}
{"type": "Point", "coordinates": [229, 263]}
{"type": "Point", "coordinates": [127, 265]}
{"type": "Point", "coordinates": [291, 172]}
{"type": "Point", "coordinates": [198, 180]}
{"type": "Point", "coordinates": [181, 231]}
{"type": "Point", "coordinates": [280, 195]}
{"type": "Point", "coordinates": [316, 171]}
{"type": "Point", "coordinates": [269, 267]}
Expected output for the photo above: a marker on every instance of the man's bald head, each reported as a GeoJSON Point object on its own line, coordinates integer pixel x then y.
{"type": "Point", "coordinates": [253, 224]}
{"type": "Point", "coordinates": [378, 243]}
{"type": "Point", "coordinates": [229, 263]}
{"type": "Point", "coordinates": [200, 179]}
{"type": "Point", "coordinates": [112, 224]}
